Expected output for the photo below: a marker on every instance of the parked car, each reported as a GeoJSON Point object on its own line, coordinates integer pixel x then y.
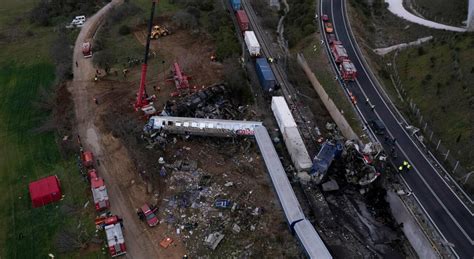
{"type": "Point", "coordinates": [325, 18]}
{"type": "Point", "coordinates": [328, 27]}
{"type": "Point", "coordinates": [148, 214]}
{"type": "Point", "coordinates": [377, 126]}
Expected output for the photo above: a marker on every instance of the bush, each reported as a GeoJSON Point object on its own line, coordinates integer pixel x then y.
{"type": "Point", "coordinates": [124, 10]}
{"type": "Point", "coordinates": [61, 52]}
{"type": "Point", "coordinates": [185, 20]}
{"type": "Point", "coordinates": [124, 30]}
{"type": "Point", "coordinates": [48, 11]}
{"type": "Point", "coordinates": [421, 51]}
{"type": "Point", "coordinates": [41, 14]}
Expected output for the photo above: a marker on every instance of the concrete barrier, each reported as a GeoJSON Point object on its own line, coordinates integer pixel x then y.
{"type": "Point", "coordinates": [335, 113]}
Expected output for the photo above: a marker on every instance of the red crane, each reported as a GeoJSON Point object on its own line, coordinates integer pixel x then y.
{"type": "Point", "coordinates": [142, 97]}
{"type": "Point", "coordinates": [180, 79]}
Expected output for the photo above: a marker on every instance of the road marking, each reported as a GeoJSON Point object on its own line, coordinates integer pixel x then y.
{"type": "Point", "coordinates": [388, 107]}
{"type": "Point", "coordinates": [439, 201]}
{"type": "Point", "coordinates": [353, 43]}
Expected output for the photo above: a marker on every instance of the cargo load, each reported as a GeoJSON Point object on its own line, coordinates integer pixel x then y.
{"type": "Point", "coordinates": [324, 158]}
{"type": "Point", "coordinates": [252, 43]}
{"type": "Point", "coordinates": [236, 4]}
{"type": "Point", "coordinates": [297, 150]}
{"type": "Point", "coordinates": [242, 20]}
{"type": "Point", "coordinates": [282, 113]}
{"type": "Point", "coordinates": [265, 75]}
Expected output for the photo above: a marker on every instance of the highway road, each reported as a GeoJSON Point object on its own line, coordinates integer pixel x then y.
{"type": "Point", "coordinates": [453, 220]}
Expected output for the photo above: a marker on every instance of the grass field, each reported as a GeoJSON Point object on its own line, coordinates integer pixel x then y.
{"type": "Point", "coordinates": [450, 12]}
{"type": "Point", "coordinates": [120, 47]}
{"type": "Point", "coordinates": [25, 155]}
{"type": "Point", "coordinates": [439, 79]}
{"type": "Point", "coordinates": [318, 62]}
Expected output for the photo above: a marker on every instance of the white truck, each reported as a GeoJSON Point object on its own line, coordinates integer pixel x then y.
{"type": "Point", "coordinates": [252, 43]}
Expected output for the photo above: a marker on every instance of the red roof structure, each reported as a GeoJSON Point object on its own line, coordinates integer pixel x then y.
{"type": "Point", "coordinates": [45, 191]}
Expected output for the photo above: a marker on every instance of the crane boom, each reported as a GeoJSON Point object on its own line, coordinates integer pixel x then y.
{"type": "Point", "coordinates": [141, 95]}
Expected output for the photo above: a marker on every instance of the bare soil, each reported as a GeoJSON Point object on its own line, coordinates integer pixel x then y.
{"type": "Point", "coordinates": [112, 130]}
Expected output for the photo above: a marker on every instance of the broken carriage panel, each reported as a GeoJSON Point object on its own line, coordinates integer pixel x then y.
{"type": "Point", "coordinates": [322, 161]}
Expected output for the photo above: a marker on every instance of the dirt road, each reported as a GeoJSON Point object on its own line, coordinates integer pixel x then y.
{"type": "Point", "coordinates": [115, 166]}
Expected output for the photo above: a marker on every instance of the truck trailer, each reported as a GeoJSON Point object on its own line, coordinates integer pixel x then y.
{"type": "Point", "coordinates": [242, 20]}
{"type": "Point", "coordinates": [252, 43]}
{"type": "Point", "coordinates": [322, 161]}
{"type": "Point", "coordinates": [236, 4]}
{"type": "Point", "coordinates": [265, 74]}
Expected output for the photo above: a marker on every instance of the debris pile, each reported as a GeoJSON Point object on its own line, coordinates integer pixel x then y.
{"type": "Point", "coordinates": [222, 205]}
{"type": "Point", "coordinates": [212, 102]}
{"type": "Point", "coordinates": [364, 165]}
{"type": "Point", "coordinates": [203, 211]}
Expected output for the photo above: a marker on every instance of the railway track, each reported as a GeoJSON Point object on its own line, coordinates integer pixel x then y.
{"type": "Point", "coordinates": [303, 116]}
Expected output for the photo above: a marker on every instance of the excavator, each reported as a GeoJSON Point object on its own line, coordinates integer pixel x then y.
{"type": "Point", "coordinates": [143, 101]}
{"type": "Point", "coordinates": [159, 31]}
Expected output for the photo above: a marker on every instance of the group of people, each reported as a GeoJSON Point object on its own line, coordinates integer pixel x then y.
{"type": "Point", "coordinates": [404, 167]}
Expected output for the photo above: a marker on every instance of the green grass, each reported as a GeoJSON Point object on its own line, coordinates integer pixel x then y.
{"type": "Point", "coordinates": [443, 96]}
{"type": "Point", "coordinates": [321, 68]}
{"type": "Point", "coordinates": [24, 42]}
{"type": "Point", "coordinates": [163, 6]}
{"type": "Point", "coordinates": [450, 12]}
{"type": "Point", "coordinates": [120, 47]}
{"type": "Point", "coordinates": [26, 155]}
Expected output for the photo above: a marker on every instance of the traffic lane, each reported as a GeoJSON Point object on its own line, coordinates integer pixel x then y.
{"type": "Point", "coordinates": [419, 185]}
{"type": "Point", "coordinates": [448, 198]}
{"type": "Point", "coordinates": [421, 190]}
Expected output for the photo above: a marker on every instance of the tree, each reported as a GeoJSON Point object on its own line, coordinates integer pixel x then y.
{"type": "Point", "coordinates": [40, 14]}
{"type": "Point", "coordinates": [61, 53]}
{"type": "Point", "coordinates": [185, 20]}
{"type": "Point", "coordinates": [124, 30]}
{"type": "Point", "coordinates": [103, 59]}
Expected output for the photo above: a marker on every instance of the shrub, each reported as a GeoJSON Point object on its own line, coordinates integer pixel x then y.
{"type": "Point", "coordinates": [421, 51]}
{"type": "Point", "coordinates": [124, 30]}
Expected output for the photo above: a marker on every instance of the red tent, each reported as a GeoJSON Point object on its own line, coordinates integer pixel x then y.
{"type": "Point", "coordinates": [45, 191]}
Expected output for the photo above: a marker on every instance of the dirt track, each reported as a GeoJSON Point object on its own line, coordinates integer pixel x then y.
{"type": "Point", "coordinates": [115, 165]}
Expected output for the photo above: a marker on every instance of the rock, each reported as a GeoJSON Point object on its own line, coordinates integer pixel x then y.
{"type": "Point", "coordinates": [228, 184]}
{"type": "Point", "coordinates": [330, 185]}
{"type": "Point", "coordinates": [236, 229]}
{"type": "Point", "coordinates": [401, 192]}
{"type": "Point", "coordinates": [214, 239]}
{"type": "Point", "coordinates": [161, 160]}
{"type": "Point", "coordinates": [304, 177]}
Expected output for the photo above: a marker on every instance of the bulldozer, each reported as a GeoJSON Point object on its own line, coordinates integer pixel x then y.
{"type": "Point", "coordinates": [159, 31]}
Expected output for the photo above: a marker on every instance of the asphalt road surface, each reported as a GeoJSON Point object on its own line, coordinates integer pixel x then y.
{"type": "Point", "coordinates": [450, 216]}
